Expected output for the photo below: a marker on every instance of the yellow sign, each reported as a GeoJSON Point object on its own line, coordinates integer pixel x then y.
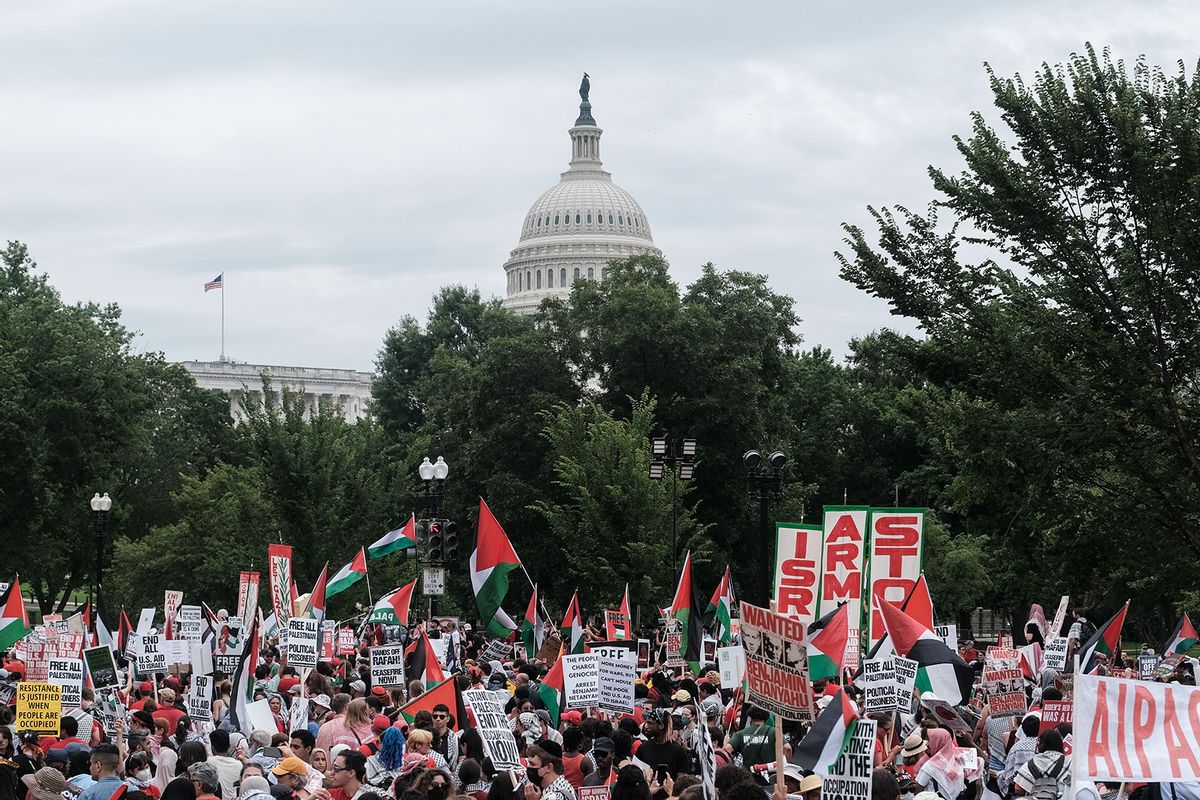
{"type": "Point", "coordinates": [39, 707]}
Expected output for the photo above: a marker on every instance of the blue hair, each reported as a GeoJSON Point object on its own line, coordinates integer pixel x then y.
{"type": "Point", "coordinates": [391, 749]}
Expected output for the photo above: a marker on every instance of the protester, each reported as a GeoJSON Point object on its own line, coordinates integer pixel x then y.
{"type": "Point", "coordinates": [228, 769]}
{"type": "Point", "coordinates": [349, 771]}
{"type": "Point", "coordinates": [1047, 775]}
{"type": "Point", "coordinates": [659, 751]}
{"type": "Point", "coordinates": [207, 781]}
{"type": "Point", "coordinates": [545, 771]}
{"type": "Point", "coordinates": [105, 762]}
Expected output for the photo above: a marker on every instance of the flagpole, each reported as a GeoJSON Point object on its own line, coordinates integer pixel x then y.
{"type": "Point", "coordinates": [222, 316]}
{"type": "Point", "coordinates": [541, 600]}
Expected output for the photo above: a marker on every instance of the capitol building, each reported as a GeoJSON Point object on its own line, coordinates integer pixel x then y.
{"type": "Point", "coordinates": [577, 226]}
{"type": "Point", "coordinates": [571, 232]}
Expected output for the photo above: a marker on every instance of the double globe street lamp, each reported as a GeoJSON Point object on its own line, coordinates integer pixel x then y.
{"type": "Point", "coordinates": [764, 482]}
{"type": "Point", "coordinates": [101, 505]}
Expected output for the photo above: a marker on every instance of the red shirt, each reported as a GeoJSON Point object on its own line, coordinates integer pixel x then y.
{"type": "Point", "coordinates": [171, 714]}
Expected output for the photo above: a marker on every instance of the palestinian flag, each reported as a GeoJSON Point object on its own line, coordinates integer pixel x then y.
{"type": "Point", "coordinates": [718, 609]}
{"type": "Point", "coordinates": [392, 608]}
{"type": "Point", "coordinates": [316, 600]}
{"type": "Point", "coordinates": [446, 692]}
{"type": "Point", "coordinates": [491, 561]}
{"type": "Point", "coordinates": [571, 630]}
{"type": "Point", "coordinates": [627, 616]}
{"type": "Point", "coordinates": [919, 604]}
{"type": "Point", "coordinates": [939, 669]}
{"type": "Point", "coordinates": [243, 682]}
{"type": "Point", "coordinates": [124, 628]}
{"type": "Point", "coordinates": [827, 639]}
{"type": "Point", "coordinates": [686, 609]}
{"type": "Point", "coordinates": [14, 619]}
{"type": "Point", "coordinates": [348, 575]}
{"type": "Point", "coordinates": [421, 662]}
{"type": "Point", "coordinates": [551, 690]}
{"type": "Point", "coordinates": [1182, 639]}
{"type": "Point", "coordinates": [826, 740]}
{"type": "Point", "coordinates": [533, 629]}
{"type": "Point", "coordinates": [1104, 641]}
{"type": "Point", "coordinates": [104, 636]}
{"type": "Point", "coordinates": [402, 538]}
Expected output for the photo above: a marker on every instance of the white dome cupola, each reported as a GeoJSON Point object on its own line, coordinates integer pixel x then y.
{"type": "Point", "coordinates": [576, 226]}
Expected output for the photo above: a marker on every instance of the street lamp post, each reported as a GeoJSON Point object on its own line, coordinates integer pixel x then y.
{"type": "Point", "coordinates": [441, 535]}
{"type": "Point", "coordinates": [764, 483]}
{"type": "Point", "coordinates": [100, 508]}
{"type": "Point", "coordinates": [679, 455]}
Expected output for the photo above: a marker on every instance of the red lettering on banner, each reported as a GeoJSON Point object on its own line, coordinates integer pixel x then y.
{"type": "Point", "coordinates": [897, 532]}
{"type": "Point", "coordinates": [1142, 701]}
{"type": "Point", "coordinates": [794, 598]}
{"type": "Point", "coordinates": [1122, 755]}
{"type": "Point", "coordinates": [1194, 712]}
{"type": "Point", "coordinates": [849, 589]}
{"type": "Point", "coordinates": [845, 528]}
{"type": "Point", "coordinates": [798, 568]}
{"type": "Point", "coordinates": [1177, 746]}
{"type": "Point", "coordinates": [841, 555]}
{"type": "Point", "coordinates": [1099, 746]}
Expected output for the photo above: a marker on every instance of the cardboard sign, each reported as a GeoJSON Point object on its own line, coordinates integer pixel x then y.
{"type": "Point", "coordinates": [616, 672]}
{"type": "Point", "coordinates": [387, 666]}
{"type": "Point", "coordinates": [731, 662]}
{"type": "Point", "coordinates": [581, 680]}
{"type": "Point", "coordinates": [303, 637]}
{"type": "Point", "coordinates": [776, 663]}
{"type": "Point", "coordinates": [945, 714]}
{"type": "Point", "coordinates": [1055, 713]}
{"type": "Point", "coordinates": [39, 707]}
{"type": "Point", "coordinates": [797, 570]}
{"type": "Point", "coordinates": [172, 600]}
{"type": "Point", "coordinates": [843, 548]}
{"type": "Point", "coordinates": [1135, 730]}
{"type": "Point", "coordinates": [102, 667]}
{"type": "Point", "coordinates": [199, 698]}
{"type": "Point", "coordinates": [948, 634]}
{"type": "Point", "coordinates": [1060, 617]}
{"type": "Point", "coordinates": [897, 538]}
{"type": "Point", "coordinates": [67, 673]}
{"type": "Point", "coordinates": [492, 724]}
{"type": "Point", "coordinates": [191, 623]}
{"type": "Point", "coordinates": [153, 657]}
{"type": "Point", "coordinates": [850, 778]}
{"type": "Point", "coordinates": [1055, 654]}
{"type": "Point", "coordinates": [551, 647]}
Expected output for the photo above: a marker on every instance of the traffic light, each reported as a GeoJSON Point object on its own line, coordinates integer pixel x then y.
{"type": "Point", "coordinates": [436, 540]}
{"type": "Point", "coordinates": [450, 537]}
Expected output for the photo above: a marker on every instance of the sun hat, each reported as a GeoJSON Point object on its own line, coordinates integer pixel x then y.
{"type": "Point", "coordinates": [913, 745]}
{"type": "Point", "coordinates": [809, 783]}
{"type": "Point", "coordinates": [45, 784]}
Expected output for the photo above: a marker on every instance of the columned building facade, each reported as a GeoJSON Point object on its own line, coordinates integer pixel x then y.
{"type": "Point", "coordinates": [347, 391]}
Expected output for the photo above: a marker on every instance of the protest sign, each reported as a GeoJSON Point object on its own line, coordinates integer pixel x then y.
{"type": "Point", "coordinates": [67, 673]}
{"type": "Point", "coordinates": [152, 658]}
{"type": "Point", "coordinates": [1148, 665]}
{"type": "Point", "coordinates": [850, 777]}
{"type": "Point", "coordinates": [643, 653]}
{"type": "Point", "coordinates": [616, 672]}
{"type": "Point", "coordinates": [1136, 730]}
{"type": "Point", "coordinates": [298, 714]}
{"type": "Point", "coordinates": [199, 698]}
{"type": "Point", "coordinates": [945, 714]}
{"type": "Point", "coordinates": [708, 652]}
{"type": "Point", "coordinates": [260, 716]}
{"type": "Point", "coordinates": [894, 561]}
{"type": "Point", "coordinates": [39, 707]}
{"type": "Point", "coordinates": [191, 623]}
{"type": "Point", "coordinates": [1168, 665]}
{"type": "Point", "coordinates": [1002, 658]}
{"type": "Point", "coordinates": [102, 667]}
{"type": "Point", "coordinates": [1004, 640]}
{"type": "Point", "coordinates": [495, 650]}
{"type": "Point", "coordinates": [172, 600]}
{"type": "Point", "coordinates": [303, 635]}
{"type": "Point", "coordinates": [906, 681]}
{"type": "Point", "coordinates": [948, 634]}
{"type": "Point", "coordinates": [145, 621]}
{"type": "Point", "coordinates": [279, 563]}
{"type": "Point", "coordinates": [177, 651]}
{"type": "Point", "coordinates": [225, 664]}
{"type": "Point", "coordinates": [200, 658]}
{"type": "Point", "coordinates": [1055, 654]}
{"type": "Point", "coordinates": [8, 691]}
{"type": "Point", "coordinates": [248, 597]}
{"type": "Point", "coordinates": [1005, 692]}
{"type": "Point", "coordinates": [1055, 713]}
{"type": "Point", "coordinates": [111, 710]}
{"type": "Point", "coordinates": [581, 680]}
{"type": "Point", "coordinates": [592, 793]}
{"type": "Point", "coordinates": [731, 662]}
{"type": "Point", "coordinates": [674, 644]}
{"type": "Point", "coordinates": [345, 640]}
{"type": "Point", "coordinates": [387, 665]}
{"type": "Point", "coordinates": [493, 727]}
{"type": "Point", "coordinates": [551, 647]}
{"type": "Point", "coordinates": [797, 570]}
{"type": "Point", "coordinates": [842, 552]}
{"type": "Point", "coordinates": [1060, 617]}
{"type": "Point", "coordinates": [878, 683]}
{"type": "Point", "coordinates": [776, 663]}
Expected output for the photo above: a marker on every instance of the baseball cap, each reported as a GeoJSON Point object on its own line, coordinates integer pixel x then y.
{"type": "Point", "coordinates": [290, 766]}
{"type": "Point", "coordinates": [379, 691]}
{"type": "Point", "coordinates": [358, 686]}
{"type": "Point", "coordinates": [604, 744]}
{"type": "Point", "coordinates": [145, 686]}
{"type": "Point", "coordinates": [682, 696]}
{"type": "Point", "coordinates": [573, 716]}
{"type": "Point", "coordinates": [381, 723]}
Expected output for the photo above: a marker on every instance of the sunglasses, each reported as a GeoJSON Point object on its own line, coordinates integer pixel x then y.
{"type": "Point", "coordinates": [441, 716]}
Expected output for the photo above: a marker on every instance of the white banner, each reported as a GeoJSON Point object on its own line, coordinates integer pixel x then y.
{"type": "Point", "coordinates": [843, 549]}
{"type": "Point", "coordinates": [1135, 730]}
{"type": "Point", "coordinates": [797, 570]}
{"type": "Point", "coordinates": [581, 680]}
{"type": "Point", "coordinates": [895, 558]}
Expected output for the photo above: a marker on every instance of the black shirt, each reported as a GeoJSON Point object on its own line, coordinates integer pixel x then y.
{"type": "Point", "coordinates": [671, 754]}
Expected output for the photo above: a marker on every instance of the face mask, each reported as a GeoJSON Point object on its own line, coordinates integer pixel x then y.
{"type": "Point", "coordinates": [534, 776]}
{"type": "Point", "coordinates": [142, 775]}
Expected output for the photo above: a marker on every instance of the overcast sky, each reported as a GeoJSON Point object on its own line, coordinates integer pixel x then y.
{"type": "Point", "coordinates": [341, 161]}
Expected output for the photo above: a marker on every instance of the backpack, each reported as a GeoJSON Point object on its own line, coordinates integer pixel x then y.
{"type": "Point", "coordinates": [1086, 631]}
{"type": "Point", "coordinates": [1046, 784]}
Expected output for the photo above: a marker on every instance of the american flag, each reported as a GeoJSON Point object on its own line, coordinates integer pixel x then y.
{"type": "Point", "coordinates": [215, 283]}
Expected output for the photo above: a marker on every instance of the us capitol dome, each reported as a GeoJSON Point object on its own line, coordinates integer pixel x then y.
{"type": "Point", "coordinates": [577, 226]}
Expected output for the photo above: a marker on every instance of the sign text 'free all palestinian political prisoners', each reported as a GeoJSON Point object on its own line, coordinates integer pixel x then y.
{"type": "Point", "coordinates": [387, 665]}
{"type": "Point", "coordinates": [304, 636]}
{"type": "Point", "coordinates": [1125, 730]}
{"type": "Point", "coordinates": [493, 727]}
{"type": "Point", "coordinates": [67, 673]}
{"type": "Point", "coordinates": [776, 663]}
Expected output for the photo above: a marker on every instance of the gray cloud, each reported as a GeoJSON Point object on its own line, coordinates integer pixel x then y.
{"type": "Point", "coordinates": [341, 162]}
